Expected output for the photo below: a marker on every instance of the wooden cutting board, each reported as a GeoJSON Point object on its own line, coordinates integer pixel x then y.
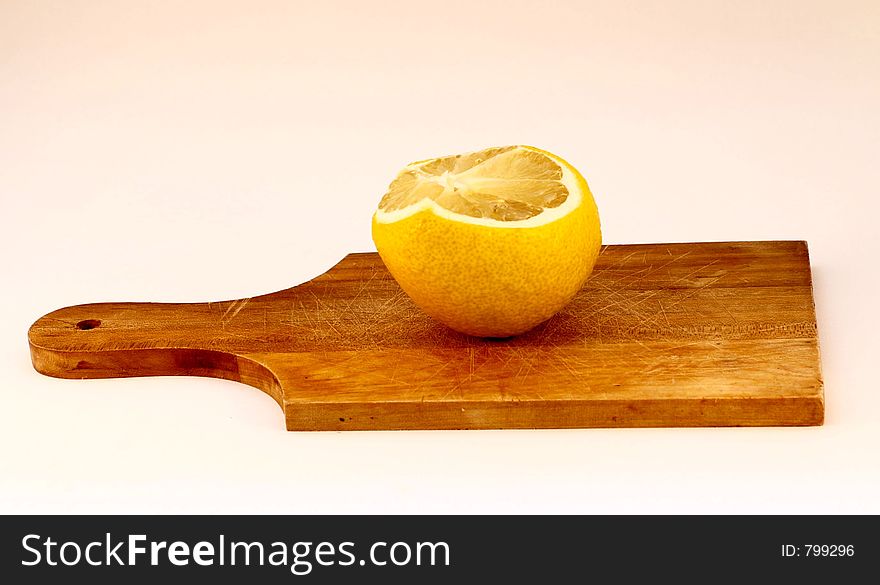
{"type": "Point", "coordinates": [708, 334]}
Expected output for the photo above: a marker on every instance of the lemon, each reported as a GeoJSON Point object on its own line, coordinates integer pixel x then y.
{"type": "Point", "coordinates": [491, 243]}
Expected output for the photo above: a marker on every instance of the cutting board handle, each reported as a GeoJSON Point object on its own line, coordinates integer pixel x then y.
{"type": "Point", "coordinates": [113, 340]}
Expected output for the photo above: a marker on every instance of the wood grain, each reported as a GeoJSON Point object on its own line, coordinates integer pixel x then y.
{"type": "Point", "coordinates": [707, 334]}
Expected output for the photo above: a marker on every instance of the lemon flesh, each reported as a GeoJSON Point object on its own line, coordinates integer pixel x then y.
{"type": "Point", "coordinates": [490, 243]}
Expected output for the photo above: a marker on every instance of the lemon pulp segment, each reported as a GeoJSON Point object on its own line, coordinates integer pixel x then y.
{"type": "Point", "coordinates": [505, 184]}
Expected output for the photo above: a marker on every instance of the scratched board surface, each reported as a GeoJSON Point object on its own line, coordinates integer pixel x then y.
{"type": "Point", "coordinates": [661, 335]}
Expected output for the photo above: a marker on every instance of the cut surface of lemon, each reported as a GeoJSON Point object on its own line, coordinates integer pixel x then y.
{"type": "Point", "coordinates": [492, 242]}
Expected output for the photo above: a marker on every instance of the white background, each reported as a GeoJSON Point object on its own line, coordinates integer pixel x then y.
{"type": "Point", "coordinates": [212, 150]}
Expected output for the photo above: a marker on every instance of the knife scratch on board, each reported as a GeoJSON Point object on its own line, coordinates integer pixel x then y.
{"type": "Point", "coordinates": [238, 306]}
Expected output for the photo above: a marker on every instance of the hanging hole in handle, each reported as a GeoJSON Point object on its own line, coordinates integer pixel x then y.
{"type": "Point", "coordinates": [88, 324]}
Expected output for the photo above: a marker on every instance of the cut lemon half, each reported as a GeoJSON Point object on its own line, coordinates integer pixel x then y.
{"type": "Point", "coordinates": [492, 242]}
